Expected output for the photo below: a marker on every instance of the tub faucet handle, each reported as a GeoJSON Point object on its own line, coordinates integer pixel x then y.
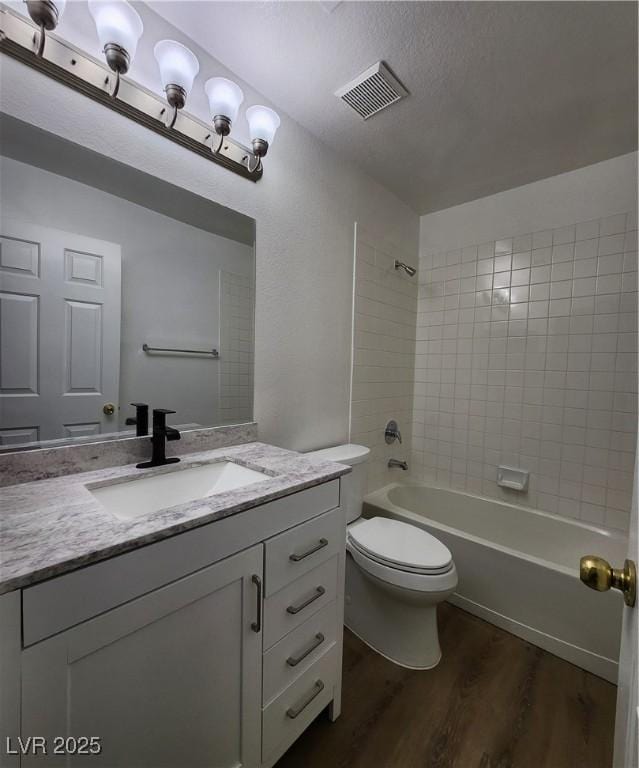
{"type": "Point", "coordinates": [392, 433]}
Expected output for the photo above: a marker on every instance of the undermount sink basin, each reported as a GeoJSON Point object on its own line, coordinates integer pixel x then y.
{"type": "Point", "coordinates": [144, 495]}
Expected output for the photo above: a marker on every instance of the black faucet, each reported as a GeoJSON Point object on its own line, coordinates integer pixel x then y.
{"type": "Point", "coordinates": [161, 433]}
{"type": "Point", "coordinates": [141, 419]}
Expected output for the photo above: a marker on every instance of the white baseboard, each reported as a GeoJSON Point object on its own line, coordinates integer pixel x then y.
{"type": "Point", "coordinates": [592, 662]}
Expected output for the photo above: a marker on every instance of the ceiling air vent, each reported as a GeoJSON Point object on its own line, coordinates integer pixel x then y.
{"type": "Point", "coordinates": [372, 91]}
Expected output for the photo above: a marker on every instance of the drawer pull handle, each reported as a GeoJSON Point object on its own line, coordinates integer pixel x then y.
{"type": "Point", "coordinates": [297, 608]}
{"type": "Point", "coordinates": [293, 712]}
{"type": "Point", "coordinates": [296, 558]}
{"type": "Point", "coordinates": [256, 626]}
{"type": "Point", "coordinates": [293, 661]}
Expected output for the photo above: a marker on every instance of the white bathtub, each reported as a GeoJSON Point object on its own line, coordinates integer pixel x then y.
{"type": "Point", "coordinates": [519, 569]}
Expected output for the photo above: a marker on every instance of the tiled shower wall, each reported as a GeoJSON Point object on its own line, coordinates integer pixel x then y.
{"type": "Point", "coordinates": [236, 343]}
{"type": "Point", "coordinates": [385, 315]}
{"type": "Point", "coordinates": [526, 355]}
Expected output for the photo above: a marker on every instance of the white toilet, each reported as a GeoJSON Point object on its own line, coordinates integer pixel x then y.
{"type": "Point", "coordinates": [396, 574]}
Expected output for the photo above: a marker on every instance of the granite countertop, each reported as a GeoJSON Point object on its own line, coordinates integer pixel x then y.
{"type": "Point", "coordinates": [50, 527]}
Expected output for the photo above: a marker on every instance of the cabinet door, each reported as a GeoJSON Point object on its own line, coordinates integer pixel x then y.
{"type": "Point", "coordinates": [170, 679]}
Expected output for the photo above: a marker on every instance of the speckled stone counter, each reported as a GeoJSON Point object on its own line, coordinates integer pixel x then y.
{"type": "Point", "coordinates": [50, 527]}
{"type": "Point", "coordinates": [87, 455]}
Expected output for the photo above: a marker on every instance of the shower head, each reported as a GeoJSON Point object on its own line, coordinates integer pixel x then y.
{"type": "Point", "coordinates": [410, 271]}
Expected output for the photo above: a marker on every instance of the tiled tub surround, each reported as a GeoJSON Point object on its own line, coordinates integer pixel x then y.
{"type": "Point", "coordinates": [385, 318]}
{"type": "Point", "coordinates": [39, 464]}
{"type": "Point", "coordinates": [527, 355]}
{"type": "Point", "coordinates": [237, 298]}
{"type": "Point", "coordinates": [54, 526]}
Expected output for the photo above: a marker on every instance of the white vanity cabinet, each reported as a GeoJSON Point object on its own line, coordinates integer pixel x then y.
{"type": "Point", "coordinates": [213, 648]}
{"type": "Point", "coordinates": [172, 678]}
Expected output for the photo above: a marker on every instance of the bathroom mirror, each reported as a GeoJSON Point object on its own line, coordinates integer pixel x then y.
{"type": "Point", "coordinates": [115, 288]}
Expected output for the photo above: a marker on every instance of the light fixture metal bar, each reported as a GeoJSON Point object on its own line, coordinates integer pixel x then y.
{"type": "Point", "coordinates": [76, 69]}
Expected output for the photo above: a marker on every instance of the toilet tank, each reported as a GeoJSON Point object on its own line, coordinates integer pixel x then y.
{"type": "Point", "coordinates": [353, 486]}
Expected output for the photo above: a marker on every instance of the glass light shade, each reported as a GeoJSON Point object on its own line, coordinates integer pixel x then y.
{"type": "Point", "coordinates": [178, 65]}
{"type": "Point", "coordinates": [263, 122]}
{"type": "Point", "coordinates": [224, 96]}
{"type": "Point", "coordinates": [59, 4]}
{"type": "Point", "coordinates": [117, 22]}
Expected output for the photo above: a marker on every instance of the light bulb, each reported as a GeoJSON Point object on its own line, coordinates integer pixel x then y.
{"type": "Point", "coordinates": [178, 65]}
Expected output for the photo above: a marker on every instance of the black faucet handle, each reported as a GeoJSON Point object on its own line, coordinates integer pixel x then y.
{"type": "Point", "coordinates": [165, 411]}
{"type": "Point", "coordinates": [141, 419]}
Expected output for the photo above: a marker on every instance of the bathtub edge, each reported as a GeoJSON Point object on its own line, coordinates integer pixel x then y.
{"type": "Point", "coordinates": [580, 657]}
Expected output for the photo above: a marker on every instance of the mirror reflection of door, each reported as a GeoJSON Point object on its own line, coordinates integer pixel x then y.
{"type": "Point", "coordinates": [60, 297]}
{"type": "Point", "coordinates": [80, 312]}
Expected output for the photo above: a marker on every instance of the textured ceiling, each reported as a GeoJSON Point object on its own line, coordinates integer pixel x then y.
{"type": "Point", "coordinates": [501, 93]}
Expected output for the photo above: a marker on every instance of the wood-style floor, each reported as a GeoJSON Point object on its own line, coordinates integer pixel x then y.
{"type": "Point", "coordinates": [494, 701]}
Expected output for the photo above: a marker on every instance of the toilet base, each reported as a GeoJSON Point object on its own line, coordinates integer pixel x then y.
{"type": "Point", "coordinates": [388, 658]}
{"type": "Point", "coordinates": [399, 624]}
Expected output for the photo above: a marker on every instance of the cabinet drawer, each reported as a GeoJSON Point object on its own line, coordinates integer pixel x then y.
{"type": "Point", "coordinates": [299, 550]}
{"type": "Point", "coordinates": [287, 609]}
{"type": "Point", "coordinates": [295, 653]}
{"type": "Point", "coordinates": [287, 716]}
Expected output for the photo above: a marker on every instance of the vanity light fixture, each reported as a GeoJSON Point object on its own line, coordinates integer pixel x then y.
{"type": "Point", "coordinates": [178, 69]}
{"type": "Point", "coordinates": [119, 28]}
{"type": "Point", "coordinates": [225, 98]}
{"type": "Point", "coordinates": [263, 123]}
{"type": "Point", "coordinates": [47, 15]}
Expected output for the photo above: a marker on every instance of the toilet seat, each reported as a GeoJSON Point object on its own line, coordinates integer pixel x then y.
{"type": "Point", "coordinates": [426, 564]}
{"type": "Point", "coordinates": [418, 582]}
{"type": "Point", "coordinates": [400, 545]}
{"type": "Point", "coordinates": [398, 567]}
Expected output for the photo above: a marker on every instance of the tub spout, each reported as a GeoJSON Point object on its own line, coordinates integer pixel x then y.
{"type": "Point", "coordinates": [397, 463]}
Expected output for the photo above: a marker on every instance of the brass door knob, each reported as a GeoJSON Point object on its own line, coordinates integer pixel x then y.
{"type": "Point", "coordinates": [108, 409]}
{"type": "Point", "coordinates": [597, 573]}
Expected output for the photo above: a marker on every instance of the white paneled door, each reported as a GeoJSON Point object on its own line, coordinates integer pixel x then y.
{"type": "Point", "coordinates": [60, 296]}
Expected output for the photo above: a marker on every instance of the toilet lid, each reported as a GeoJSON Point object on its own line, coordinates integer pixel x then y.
{"type": "Point", "coordinates": [400, 544]}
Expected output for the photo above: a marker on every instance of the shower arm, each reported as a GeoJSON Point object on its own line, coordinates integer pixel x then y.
{"type": "Point", "coordinates": [410, 271]}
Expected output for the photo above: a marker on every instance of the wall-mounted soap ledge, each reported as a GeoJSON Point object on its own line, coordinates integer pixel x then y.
{"type": "Point", "coordinates": [512, 477]}
{"type": "Point", "coordinates": [76, 69]}
{"type": "Point", "coordinates": [27, 466]}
